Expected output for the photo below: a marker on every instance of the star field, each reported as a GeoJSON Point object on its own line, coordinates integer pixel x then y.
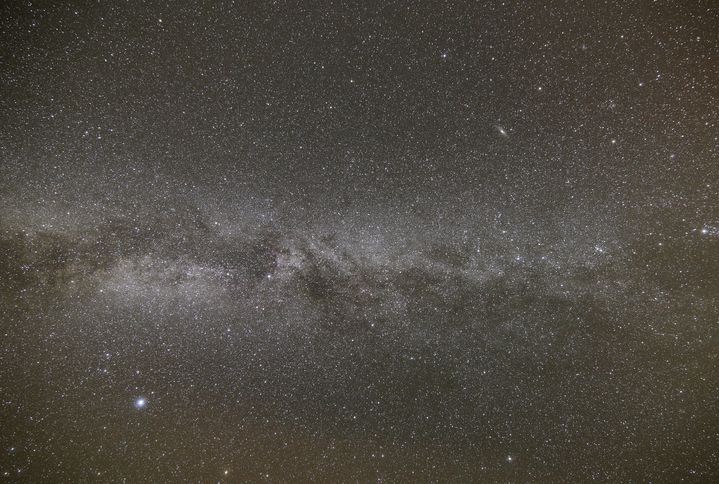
{"type": "Point", "coordinates": [359, 241]}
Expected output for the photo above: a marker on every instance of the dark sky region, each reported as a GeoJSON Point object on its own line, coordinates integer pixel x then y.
{"type": "Point", "coordinates": [395, 241]}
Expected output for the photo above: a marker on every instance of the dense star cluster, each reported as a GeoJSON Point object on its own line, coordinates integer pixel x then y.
{"type": "Point", "coordinates": [359, 241]}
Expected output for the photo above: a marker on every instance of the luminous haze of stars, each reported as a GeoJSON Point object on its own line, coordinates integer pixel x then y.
{"type": "Point", "coordinates": [359, 241]}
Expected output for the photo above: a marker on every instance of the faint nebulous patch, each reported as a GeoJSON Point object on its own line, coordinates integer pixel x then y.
{"type": "Point", "coordinates": [162, 281]}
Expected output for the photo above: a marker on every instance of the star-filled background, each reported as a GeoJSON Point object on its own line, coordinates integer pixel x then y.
{"type": "Point", "coordinates": [359, 241]}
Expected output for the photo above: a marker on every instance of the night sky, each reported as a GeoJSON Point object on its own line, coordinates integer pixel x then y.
{"type": "Point", "coordinates": [396, 241]}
